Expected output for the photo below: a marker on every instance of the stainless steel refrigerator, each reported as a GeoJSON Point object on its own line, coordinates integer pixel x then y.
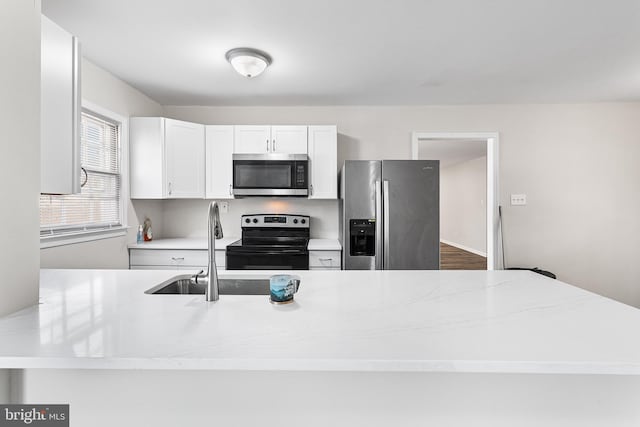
{"type": "Point", "coordinates": [390, 214]}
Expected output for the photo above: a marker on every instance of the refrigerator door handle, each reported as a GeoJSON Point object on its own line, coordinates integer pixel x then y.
{"type": "Point", "coordinates": [385, 221]}
{"type": "Point", "coordinates": [379, 235]}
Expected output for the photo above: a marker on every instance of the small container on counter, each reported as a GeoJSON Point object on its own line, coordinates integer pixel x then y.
{"type": "Point", "coordinates": [139, 236]}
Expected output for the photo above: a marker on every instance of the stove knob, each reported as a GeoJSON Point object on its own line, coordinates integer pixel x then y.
{"type": "Point", "coordinates": [255, 220]}
{"type": "Point", "coordinates": [247, 220]}
{"type": "Point", "coordinates": [295, 220]}
{"type": "Point", "coordinates": [303, 220]}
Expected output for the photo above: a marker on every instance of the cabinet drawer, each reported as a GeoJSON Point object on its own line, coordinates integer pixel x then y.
{"type": "Point", "coordinates": [324, 259]}
{"type": "Point", "coordinates": [173, 258]}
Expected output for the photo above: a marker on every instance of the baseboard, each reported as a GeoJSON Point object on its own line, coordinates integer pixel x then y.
{"type": "Point", "coordinates": [464, 248]}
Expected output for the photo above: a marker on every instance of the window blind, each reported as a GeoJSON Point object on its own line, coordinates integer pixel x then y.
{"type": "Point", "coordinates": [98, 206]}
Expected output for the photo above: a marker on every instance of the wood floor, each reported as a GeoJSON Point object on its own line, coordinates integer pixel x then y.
{"type": "Point", "coordinates": [452, 258]}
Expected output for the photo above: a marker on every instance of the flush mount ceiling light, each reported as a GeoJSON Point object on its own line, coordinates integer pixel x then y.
{"type": "Point", "coordinates": [248, 62]}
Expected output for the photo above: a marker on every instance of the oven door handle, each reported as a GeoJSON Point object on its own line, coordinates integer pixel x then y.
{"type": "Point", "coordinates": [279, 252]}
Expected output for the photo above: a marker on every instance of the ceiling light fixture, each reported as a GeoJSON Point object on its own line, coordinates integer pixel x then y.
{"type": "Point", "coordinates": [247, 61]}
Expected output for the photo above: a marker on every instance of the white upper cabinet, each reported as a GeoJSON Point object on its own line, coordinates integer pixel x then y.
{"type": "Point", "coordinates": [60, 111]}
{"type": "Point", "coordinates": [250, 139]}
{"type": "Point", "coordinates": [184, 159]}
{"type": "Point", "coordinates": [323, 162]}
{"type": "Point", "coordinates": [289, 139]}
{"type": "Point", "coordinates": [219, 167]}
{"type": "Point", "coordinates": [167, 159]}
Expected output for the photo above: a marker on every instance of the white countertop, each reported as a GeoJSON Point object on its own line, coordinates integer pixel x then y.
{"type": "Point", "coordinates": [198, 243]}
{"type": "Point", "coordinates": [201, 244]}
{"type": "Point", "coordinates": [428, 321]}
{"type": "Point", "coordinates": [324, 245]}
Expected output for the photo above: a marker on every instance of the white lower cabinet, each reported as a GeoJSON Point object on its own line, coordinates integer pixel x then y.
{"type": "Point", "coordinates": [197, 259]}
{"type": "Point", "coordinates": [324, 260]}
{"type": "Point", "coordinates": [166, 259]}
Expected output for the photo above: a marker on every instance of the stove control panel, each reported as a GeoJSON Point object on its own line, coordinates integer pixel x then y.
{"type": "Point", "coordinates": [276, 220]}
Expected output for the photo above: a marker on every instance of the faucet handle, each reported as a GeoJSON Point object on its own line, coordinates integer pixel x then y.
{"type": "Point", "coordinates": [194, 278]}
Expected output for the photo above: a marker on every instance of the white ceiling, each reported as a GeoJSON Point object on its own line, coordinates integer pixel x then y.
{"type": "Point", "coordinates": [451, 152]}
{"type": "Point", "coordinates": [357, 52]}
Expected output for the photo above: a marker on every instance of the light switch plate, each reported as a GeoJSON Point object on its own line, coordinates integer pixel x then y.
{"type": "Point", "coordinates": [518, 199]}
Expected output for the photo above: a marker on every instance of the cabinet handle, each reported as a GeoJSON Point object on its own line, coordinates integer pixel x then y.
{"type": "Point", "coordinates": [170, 189]}
{"type": "Point", "coordinates": [274, 146]}
{"type": "Point", "coordinates": [325, 259]}
{"type": "Point", "coordinates": [86, 177]}
{"type": "Point", "coordinates": [230, 190]}
{"type": "Point", "coordinates": [311, 190]}
{"type": "Point", "coordinates": [177, 258]}
{"type": "Point", "coordinates": [267, 145]}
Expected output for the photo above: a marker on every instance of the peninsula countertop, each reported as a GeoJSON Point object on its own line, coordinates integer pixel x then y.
{"type": "Point", "coordinates": [392, 321]}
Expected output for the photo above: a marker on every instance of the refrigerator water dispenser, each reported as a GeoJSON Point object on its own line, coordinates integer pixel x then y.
{"type": "Point", "coordinates": [362, 234]}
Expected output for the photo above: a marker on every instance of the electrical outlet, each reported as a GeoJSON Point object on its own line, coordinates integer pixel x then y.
{"type": "Point", "coordinates": [224, 207]}
{"type": "Point", "coordinates": [518, 199]}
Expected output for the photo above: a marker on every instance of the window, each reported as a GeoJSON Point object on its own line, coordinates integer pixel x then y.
{"type": "Point", "coordinates": [98, 207]}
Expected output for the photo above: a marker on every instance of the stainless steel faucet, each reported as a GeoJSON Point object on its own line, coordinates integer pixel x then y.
{"type": "Point", "coordinates": [210, 278]}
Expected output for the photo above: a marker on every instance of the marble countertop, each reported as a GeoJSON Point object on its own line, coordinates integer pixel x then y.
{"type": "Point", "coordinates": [198, 243]}
{"type": "Point", "coordinates": [324, 245]}
{"type": "Point", "coordinates": [201, 243]}
{"type": "Point", "coordinates": [402, 321]}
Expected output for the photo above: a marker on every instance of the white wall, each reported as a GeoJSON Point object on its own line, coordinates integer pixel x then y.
{"type": "Point", "coordinates": [19, 153]}
{"type": "Point", "coordinates": [463, 212]}
{"type": "Point", "coordinates": [19, 157]}
{"type": "Point", "coordinates": [577, 164]}
{"type": "Point", "coordinates": [105, 90]}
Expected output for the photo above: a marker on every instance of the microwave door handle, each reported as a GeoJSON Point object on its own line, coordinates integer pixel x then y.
{"type": "Point", "coordinates": [379, 253]}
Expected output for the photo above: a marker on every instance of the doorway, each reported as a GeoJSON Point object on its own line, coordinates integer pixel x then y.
{"type": "Point", "coordinates": [466, 158]}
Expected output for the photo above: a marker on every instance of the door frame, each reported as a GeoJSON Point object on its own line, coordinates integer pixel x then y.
{"type": "Point", "coordinates": [492, 141]}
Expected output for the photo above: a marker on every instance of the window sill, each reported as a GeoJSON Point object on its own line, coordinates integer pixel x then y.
{"type": "Point", "coordinates": [82, 237]}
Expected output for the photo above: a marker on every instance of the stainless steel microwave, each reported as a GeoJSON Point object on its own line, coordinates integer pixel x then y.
{"type": "Point", "coordinates": [270, 175]}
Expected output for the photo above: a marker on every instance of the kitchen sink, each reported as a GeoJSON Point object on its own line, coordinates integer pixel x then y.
{"type": "Point", "coordinates": [182, 286]}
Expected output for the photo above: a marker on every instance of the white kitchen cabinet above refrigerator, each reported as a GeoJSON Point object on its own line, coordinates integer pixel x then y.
{"type": "Point", "coordinates": [60, 106]}
{"type": "Point", "coordinates": [167, 159]}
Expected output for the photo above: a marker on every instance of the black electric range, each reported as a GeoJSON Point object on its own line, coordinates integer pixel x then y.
{"type": "Point", "coordinates": [271, 242]}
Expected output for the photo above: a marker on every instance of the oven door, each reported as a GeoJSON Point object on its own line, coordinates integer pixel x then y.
{"type": "Point", "coordinates": [270, 175]}
{"type": "Point", "coordinates": [286, 259]}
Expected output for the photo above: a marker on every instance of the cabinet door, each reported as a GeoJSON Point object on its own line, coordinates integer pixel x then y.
{"type": "Point", "coordinates": [146, 157]}
{"type": "Point", "coordinates": [184, 159]}
{"type": "Point", "coordinates": [219, 167]}
{"type": "Point", "coordinates": [60, 111]}
{"type": "Point", "coordinates": [252, 139]}
{"type": "Point", "coordinates": [323, 162]}
{"type": "Point", "coordinates": [324, 260]}
{"type": "Point", "coordinates": [289, 139]}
